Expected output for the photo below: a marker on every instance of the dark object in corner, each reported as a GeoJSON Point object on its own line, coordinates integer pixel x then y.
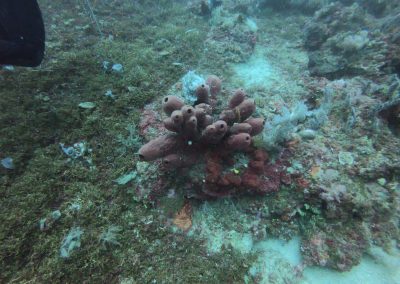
{"type": "Point", "coordinates": [22, 34]}
{"type": "Point", "coordinates": [390, 112]}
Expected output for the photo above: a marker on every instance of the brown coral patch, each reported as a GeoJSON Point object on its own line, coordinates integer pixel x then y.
{"type": "Point", "coordinates": [251, 180]}
{"type": "Point", "coordinates": [292, 144]}
{"type": "Point", "coordinates": [150, 119]}
{"type": "Point", "coordinates": [314, 171]}
{"type": "Point", "coordinates": [233, 179]}
{"type": "Point", "coordinates": [302, 183]}
{"type": "Point", "coordinates": [214, 169]}
{"type": "Point", "coordinates": [260, 155]}
{"type": "Point", "coordinates": [286, 178]}
{"type": "Point", "coordinates": [257, 166]}
{"type": "Point", "coordinates": [183, 219]}
{"type": "Point", "coordinates": [223, 181]}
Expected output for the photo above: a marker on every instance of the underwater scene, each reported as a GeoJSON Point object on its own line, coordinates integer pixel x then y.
{"type": "Point", "coordinates": [200, 141]}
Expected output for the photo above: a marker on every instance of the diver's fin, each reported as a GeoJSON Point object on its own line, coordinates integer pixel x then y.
{"type": "Point", "coordinates": [22, 34]}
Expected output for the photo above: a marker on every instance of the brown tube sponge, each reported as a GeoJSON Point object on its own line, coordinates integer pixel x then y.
{"type": "Point", "coordinates": [238, 141]}
{"type": "Point", "coordinates": [172, 161]}
{"type": "Point", "coordinates": [202, 93]}
{"type": "Point", "coordinates": [228, 116]}
{"type": "Point", "coordinates": [187, 112]}
{"type": "Point", "coordinates": [238, 97]}
{"type": "Point", "coordinates": [245, 109]}
{"type": "Point", "coordinates": [215, 84]}
{"type": "Point", "coordinates": [240, 128]}
{"type": "Point", "coordinates": [171, 126]}
{"type": "Point", "coordinates": [171, 103]}
{"type": "Point", "coordinates": [177, 117]}
{"type": "Point", "coordinates": [200, 114]}
{"type": "Point", "coordinates": [208, 120]}
{"type": "Point", "coordinates": [190, 128]}
{"type": "Point", "coordinates": [206, 107]}
{"type": "Point", "coordinates": [209, 132]}
{"type": "Point", "coordinates": [257, 125]}
{"type": "Point", "coordinates": [203, 119]}
{"type": "Point", "coordinates": [175, 161]}
{"type": "Point", "coordinates": [160, 147]}
{"type": "Point", "coordinates": [214, 133]}
{"type": "Point", "coordinates": [221, 127]}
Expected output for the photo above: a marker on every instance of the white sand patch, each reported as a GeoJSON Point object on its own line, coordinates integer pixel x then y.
{"type": "Point", "coordinates": [378, 267]}
{"type": "Point", "coordinates": [256, 73]}
{"type": "Point", "coordinates": [279, 260]}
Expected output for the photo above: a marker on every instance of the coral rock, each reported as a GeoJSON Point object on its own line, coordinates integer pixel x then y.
{"type": "Point", "coordinates": [285, 178]}
{"type": "Point", "coordinates": [199, 140]}
{"type": "Point", "coordinates": [251, 180]}
{"type": "Point", "coordinates": [183, 219]}
{"type": "Point", "coordinates": [257, 166]}
{"type": "Point", "coordinates": [223, 181]}
{"type": "Point", "coordinates": [260, 155]}
{"type": "Point", "coordinates": [233, 179]}
{"type": "Point", "coordinates": [214, 169]}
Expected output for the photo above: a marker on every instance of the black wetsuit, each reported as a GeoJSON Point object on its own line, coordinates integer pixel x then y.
{"type": "Point", "coordinates": [22, 33]}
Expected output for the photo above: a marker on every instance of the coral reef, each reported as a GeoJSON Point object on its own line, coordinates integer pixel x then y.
{"type": "Point", "coordinates": [340, 252]}
{"type": "Point", "coordinates": [90, 211]}
{"type": "Point", "coordinates": [232, 36]}
{"type": "Point", "coordinates": [306, 6]}
{"type": "Point", "coordinates": [221, 144]}
{"type": "Point", "coordinates": [390, 29]}
{"type": "Point", "coordinates": [283, 125]}
{"type": "Point", "coordinates": [390, 112]}
{"type": "Point", "coordinates": [346, 40]}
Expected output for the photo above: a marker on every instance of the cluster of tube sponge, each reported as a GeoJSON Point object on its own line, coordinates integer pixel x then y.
{"type": "Point", "coordinates": [194, 129]}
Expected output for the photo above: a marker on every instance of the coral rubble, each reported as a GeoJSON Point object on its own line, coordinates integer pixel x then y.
{"type": "Point", "coordinates": [346, 41]}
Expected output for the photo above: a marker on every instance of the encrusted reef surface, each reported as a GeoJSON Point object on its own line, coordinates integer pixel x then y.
{"type": "Point", "coordinates": [122, 162]}
{"type": "Point", "coordinates": [347, 41]}
{"type": "Point", "coordinates": [215, 155]}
